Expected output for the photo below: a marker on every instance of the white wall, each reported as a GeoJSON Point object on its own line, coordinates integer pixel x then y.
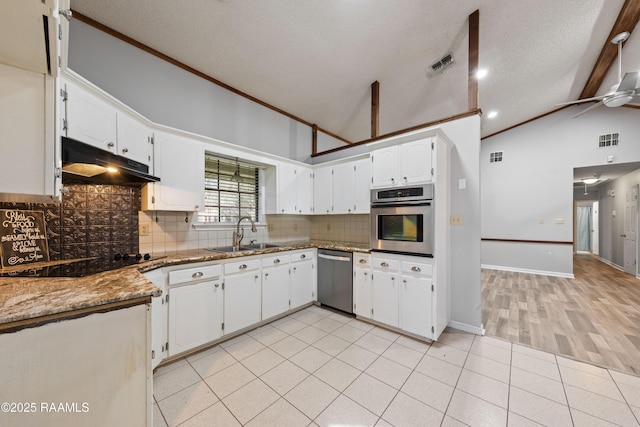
{"type": "Point", "coordinates": [611, 226]}
{"type": "Point", "coordinates": [523, 196]}
{"type": "Point", "coordinates": [169, 95]}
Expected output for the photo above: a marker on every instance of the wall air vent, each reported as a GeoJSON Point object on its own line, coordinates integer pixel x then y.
{"type": "Point", "coordinates": [608, 140]}
{"type": "Point", "coordinates": [495, 157]}
{"type": "Point", "coordinates": [442, 64]}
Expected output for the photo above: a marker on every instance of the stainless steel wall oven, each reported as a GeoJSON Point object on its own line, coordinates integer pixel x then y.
{"type": "Point", "coordinates": [402, 220]}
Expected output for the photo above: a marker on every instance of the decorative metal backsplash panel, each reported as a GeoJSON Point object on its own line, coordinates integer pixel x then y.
{"type": "Point", "coordinates": [90, 221]}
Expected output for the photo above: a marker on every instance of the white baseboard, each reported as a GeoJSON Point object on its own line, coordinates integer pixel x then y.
{"type": "Point", "coordinates": [464, 327]}
{"type": "Point", "coordinates": [609, 263]}
{"type": "Point", "coordinates": [525, 270]}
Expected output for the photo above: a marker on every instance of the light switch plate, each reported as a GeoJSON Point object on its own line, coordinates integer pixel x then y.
{"type": "Point", "coordinates": [143, 229]}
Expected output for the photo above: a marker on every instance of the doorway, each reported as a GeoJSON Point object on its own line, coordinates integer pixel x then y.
{"type": "Point", "coordinates": [586, 227]}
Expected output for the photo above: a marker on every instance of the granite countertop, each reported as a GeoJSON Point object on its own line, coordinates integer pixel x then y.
{"type": "Point", "coordinates": [26, 298]}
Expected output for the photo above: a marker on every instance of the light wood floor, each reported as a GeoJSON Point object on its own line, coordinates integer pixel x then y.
{"type": "Point", "coordinates": [594, 317]}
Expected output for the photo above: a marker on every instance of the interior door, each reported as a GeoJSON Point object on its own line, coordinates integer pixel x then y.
{"type": "Point", "coordinates": [595, 236]}
{"type": "Point", "coordinates": [630, 228]}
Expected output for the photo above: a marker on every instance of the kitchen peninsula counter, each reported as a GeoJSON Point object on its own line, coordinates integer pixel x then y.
{"type": "Point", "coordinates": [32, 301]}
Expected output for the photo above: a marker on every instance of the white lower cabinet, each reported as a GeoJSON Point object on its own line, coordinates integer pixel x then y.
{"type": "Point", "coordinates": [195, 307]}
{"type": "Point", "coordinates": [275, 285]}
{"type": "Point", "coordinates": [242, 294]}
{"type": "Point", "coordinates": [398, 291]}
{"type": "Point", "coordinates": [384, 298]}
{"type": "Point", "coordinates": [362, 285]}
{"type": "Point", "coordinates": [159, 318]}
{"type": "Point", "coordinates": [303, 278]}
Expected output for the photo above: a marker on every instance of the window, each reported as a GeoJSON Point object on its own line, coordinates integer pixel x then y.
{"type": "Point", "coordinates": [225, 200]}
{"type": "Point", "coordinates": [495, 157]}
{"type": "Point", "coordinates": [608, 140]}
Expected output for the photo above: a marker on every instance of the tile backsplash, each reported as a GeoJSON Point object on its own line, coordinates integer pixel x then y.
{"type": "Point", "coordinates": [170, 232]}
{"type": "Point", "coordinates": [90, 221]}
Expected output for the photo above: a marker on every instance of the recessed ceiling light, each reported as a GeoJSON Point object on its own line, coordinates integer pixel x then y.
{"type": "Point", "coordinates": [482, 72]}
{"type": "Point", "coordinates": [492, 114]}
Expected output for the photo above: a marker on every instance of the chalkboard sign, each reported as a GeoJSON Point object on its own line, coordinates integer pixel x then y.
{"type": "Point", "coordinates": [23, 237]}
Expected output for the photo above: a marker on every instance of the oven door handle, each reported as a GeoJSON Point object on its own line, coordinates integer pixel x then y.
{"type": "Point", "coordinates": [401, 204]}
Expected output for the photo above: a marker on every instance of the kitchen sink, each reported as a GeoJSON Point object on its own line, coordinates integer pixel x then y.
{"type": "Point", "coordinates": [251, 247]}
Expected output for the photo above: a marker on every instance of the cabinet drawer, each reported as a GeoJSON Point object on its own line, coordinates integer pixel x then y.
{"type": "Point", "coordinates": [361, 260]}
{"type": "Point", "coordinates": [385, 264]}
{"type": "Point", "coordinates": [242, 266]}
{"type": "Point", "coordinates": [302, 256]}
{"type": "Point", "coordinates": [275, 260]}
{"type": "Point", "coordinates": [417, 268]}
{"type": "Point", "coordinates": [196, 273]}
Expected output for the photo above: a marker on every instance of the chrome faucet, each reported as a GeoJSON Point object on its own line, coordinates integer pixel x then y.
{"type": "Point", "coordinates": [237, 235]}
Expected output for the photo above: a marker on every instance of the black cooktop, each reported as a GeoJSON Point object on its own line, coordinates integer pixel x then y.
{"type": "Point", "coordinates": [79, 268]}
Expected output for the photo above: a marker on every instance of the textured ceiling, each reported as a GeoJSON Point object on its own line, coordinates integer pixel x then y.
{"type": "Point", "coordinates": [317, 59]}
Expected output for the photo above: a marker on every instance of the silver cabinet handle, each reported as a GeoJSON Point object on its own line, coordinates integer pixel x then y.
{"type": "Point", "coordinates": [217, 285]}
{"type": "Point", "coordinates": [384, 264]}
{"type": "Point", "coordinates": [363, 261]}
{"type": "Point", "coordinates": [415, 269]}
{"type": "Point", "coordinates": [266, 274]}
{"type": "Point", "coordinates": [110, 144]}
{"type": "Point", "coordinates": [242, 267]}
{"type": "Point", "coordinates": [198, 274]}
{"type": "Point", "coordinates": [404, 281]}
{"type": "Point", "coordinates": [365, 273]}
{"type": "Point", "coordinates": [294, 268]}
{"type": "Point", "coordinates": [303, 256]}
{"type": "Point", "coordinates": [255, 277]}
{"type": "Point", "coordinates": [276, 261]}
{"type": "Point", "coordinates": [393, 279]}
{"type": "Point", "coordinates": [125, 150]}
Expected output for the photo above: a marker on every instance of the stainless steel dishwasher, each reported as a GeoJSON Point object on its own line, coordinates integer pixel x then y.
{"type": "Point", "coordinates": [335, 279]}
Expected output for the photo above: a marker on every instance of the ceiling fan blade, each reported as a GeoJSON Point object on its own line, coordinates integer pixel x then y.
{"type": "Point", "coordinates": [629, 81]}
{"type": "Point", "coordinates": [580, 101]}
{"type": "Point", "coordinates": [587, 109]}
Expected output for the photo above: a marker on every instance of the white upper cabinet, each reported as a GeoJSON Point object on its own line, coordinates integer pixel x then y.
{"type": "Point", "coordinates": [304, 190]}
{"type": "Point", "coordinates": [404, 164]}
{"type": "Point", "coordinates": [179, 162]}
{"type": "Point", "coordinates": [342, 188]}
{"type": "Point", "coordinates": [94, 121]}
{"type": "Point", "coordinates": [362, 195]}
{"type": "Point", "coordinates": [30, 155]}
{"type": "Point", "coordinates": [289, 189]}
{"type": "Point", "coordinates": [29, 31]}
{"type": "Point", "coordinates": [89, 119]}
{"type": "Point", "coordinates": [322, 185]}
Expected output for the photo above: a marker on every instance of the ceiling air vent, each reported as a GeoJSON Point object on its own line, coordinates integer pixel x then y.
{"type": "Point", "coordinates": [495, 157]}
{"type": "Point", "coordinates": [608, 140]}
{"type": "Point", "coordinates": [441, 65]}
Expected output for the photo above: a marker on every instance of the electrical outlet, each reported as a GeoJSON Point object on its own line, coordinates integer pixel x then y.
{"type": "Point", "coordinates": [143, 229]}
{"type": "Point", "coordinates": [455, 220]}
{"type": "Point", "coordinates": [295, 227]}
{"type": "Point", "coordinates": [559, 220]}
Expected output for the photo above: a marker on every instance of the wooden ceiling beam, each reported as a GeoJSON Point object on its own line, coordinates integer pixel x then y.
{"type": "Point", "coordinates": [627, 21]}
{"type": "Point", "coordinates": [474, 54]}
{"type": "Point", "coordinates": [375, 109]}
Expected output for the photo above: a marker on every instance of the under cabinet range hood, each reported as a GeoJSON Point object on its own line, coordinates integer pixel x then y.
{"type": "Point", "coordinates": [93, 165]}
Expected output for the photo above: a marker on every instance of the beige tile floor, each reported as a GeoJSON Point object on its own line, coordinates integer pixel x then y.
{"type": "Point", "coordinates": [317, 367]}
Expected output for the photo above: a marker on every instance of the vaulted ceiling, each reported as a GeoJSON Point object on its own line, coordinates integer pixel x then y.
{"type": "Point", "coordinates": [318, 59]}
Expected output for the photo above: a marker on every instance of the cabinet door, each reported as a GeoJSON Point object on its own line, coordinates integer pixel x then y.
{"type": "Point", "coordinates": [384, 298]}
{"type": "Point", "coordinates": [343, 185]}
{"type": "Point", "coordinates": [133, 139]}
{"type": "Point", "coordinates": [287, 191]}
{"type": "Point", "coordinates": [362, 184]}
{"type": "Point", "coordinates": [415, 161]}
{"type": "Point", "coordinates": [242, 300]}
{"type": "Point", "coordinates": [302, 279]}
{"type": "Point", "coordinates": [29, 151]}
{"type": "Point", "coordinates": [304, 191]}
{"type": "Point", "coordinates": [90, 119]}
{"type": "Point", "coordinates": [179, 162]}
{"type": "Point", "coordinates": [195, 315]}
{"type": "Point", "coordinates": [322, 184]}
{"type": "Point", "coordinates": [362, 292]}
{"type": "Point", "coordinates": [159, 319]}
{"type": "Point", "coordinates": [275, 290]}
{"type": "Point", "coordinates": [416, 306]}
{"type": "Point", "coordinates": [384, 167]}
